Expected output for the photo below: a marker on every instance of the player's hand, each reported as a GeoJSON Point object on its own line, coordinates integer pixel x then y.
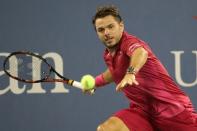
{"type": "Point", "coordinates": [89, 92]}
{"type": "Point", "coordinates": [129, 79]}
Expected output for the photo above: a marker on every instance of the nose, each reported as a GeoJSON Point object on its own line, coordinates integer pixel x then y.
{"type": "Point", "coordinates": [106, 32]}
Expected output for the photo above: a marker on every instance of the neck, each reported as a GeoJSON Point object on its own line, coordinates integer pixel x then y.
{"type": "Point", "coordinates": [112, 50]}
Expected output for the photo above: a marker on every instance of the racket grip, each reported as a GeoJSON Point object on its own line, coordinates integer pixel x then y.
{"type": "Point", "coordinates": [77, 84]}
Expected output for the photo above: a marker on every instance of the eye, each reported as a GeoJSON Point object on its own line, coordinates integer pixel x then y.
{"type": "Point", "coordinates": [111, 26]}
{"type": "Point", "coordinates": [100, 29]}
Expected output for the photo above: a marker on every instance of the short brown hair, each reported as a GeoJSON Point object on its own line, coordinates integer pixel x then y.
{"type": "Point", "coordinates": [106, 10]}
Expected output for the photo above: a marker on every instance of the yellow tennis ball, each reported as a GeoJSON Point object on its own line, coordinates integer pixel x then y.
{"type": "Point", "coordinates": [88, 82]}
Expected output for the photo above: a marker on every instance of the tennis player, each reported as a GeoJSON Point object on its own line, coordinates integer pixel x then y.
{"type": "Point", "coordinates": [157, 103]}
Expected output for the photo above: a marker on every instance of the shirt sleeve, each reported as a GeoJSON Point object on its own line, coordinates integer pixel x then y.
{"type": "Point", "coordinates": [130, 45]}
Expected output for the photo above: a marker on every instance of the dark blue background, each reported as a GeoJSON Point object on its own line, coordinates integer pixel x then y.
{"type": "Point", "coordinates": [64, 27]}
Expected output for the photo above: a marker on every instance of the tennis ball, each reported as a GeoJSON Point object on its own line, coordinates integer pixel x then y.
{"type": "Point", "coordinates": [88, 82]}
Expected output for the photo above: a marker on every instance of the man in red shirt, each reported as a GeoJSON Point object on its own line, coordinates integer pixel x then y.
{"type": "Point", "coordinates": [158, 104]}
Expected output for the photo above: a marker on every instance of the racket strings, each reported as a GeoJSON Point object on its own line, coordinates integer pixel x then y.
{"type": "Point", "coordinates": [27, 67]}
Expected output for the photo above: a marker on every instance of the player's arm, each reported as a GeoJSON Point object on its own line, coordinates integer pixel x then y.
{"type": "Point", "coordinates": [103, 79]}
{"type": "Point", "coordinates": [137, 60]}
{"type": "Point", "coordinates": [107, 76]}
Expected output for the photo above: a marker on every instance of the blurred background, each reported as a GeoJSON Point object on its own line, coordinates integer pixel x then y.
{"type": "Point", "coordinates": [62, 30]}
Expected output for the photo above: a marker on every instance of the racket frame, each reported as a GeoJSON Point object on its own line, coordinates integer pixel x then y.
{"type": "Point", "coordinates": [45, 79]}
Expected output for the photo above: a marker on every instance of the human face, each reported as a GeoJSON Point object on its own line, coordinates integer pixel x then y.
{"type": "Point", "coordinates": [109, 30]}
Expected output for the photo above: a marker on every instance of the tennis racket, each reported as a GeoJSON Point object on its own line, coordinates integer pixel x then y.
{"type": "Point", "coordinates": [29, 67]}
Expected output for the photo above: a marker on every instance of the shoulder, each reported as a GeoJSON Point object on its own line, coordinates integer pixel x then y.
{"type": "Point", "coordinates": [130, 39]}
{"type": "Point", "coordinates": [130, 42]}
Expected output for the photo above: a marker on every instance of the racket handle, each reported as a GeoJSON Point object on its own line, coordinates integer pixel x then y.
{"type": "Point", "coordinates": [79, 85]}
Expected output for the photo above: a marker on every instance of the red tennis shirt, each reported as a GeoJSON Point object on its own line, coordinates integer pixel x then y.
{"type": "Point", "coordinates": [157, 94]}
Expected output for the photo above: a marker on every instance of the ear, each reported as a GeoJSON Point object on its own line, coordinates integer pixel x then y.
{"type": "Point", "coordinates": [122, 25]}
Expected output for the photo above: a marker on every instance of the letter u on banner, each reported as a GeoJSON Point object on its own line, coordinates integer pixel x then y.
{"type": "Point", "coordinates": [178, 76]}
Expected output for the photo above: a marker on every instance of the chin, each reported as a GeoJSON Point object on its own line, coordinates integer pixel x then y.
{"type": "Point", "coordinates": [110, 46]}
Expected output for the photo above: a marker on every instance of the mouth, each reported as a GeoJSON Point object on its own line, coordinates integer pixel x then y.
{"type": "Point", "coordinates": [109, 39]}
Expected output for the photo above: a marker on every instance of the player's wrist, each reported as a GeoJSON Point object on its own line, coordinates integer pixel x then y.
{"type": "Point", "coordinates": [100, 81]}
{"type": "Point", "coordinates": [131, 70]}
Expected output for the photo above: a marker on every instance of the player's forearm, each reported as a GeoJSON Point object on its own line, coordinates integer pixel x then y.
{"type": "Point", "coordinates": [107, 76]}
{"type": "Point", "coordinates": [138, 59]}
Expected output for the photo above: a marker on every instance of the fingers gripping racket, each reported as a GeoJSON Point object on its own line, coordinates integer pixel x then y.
{"type": "Point", "coordinates": [29, 67]}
